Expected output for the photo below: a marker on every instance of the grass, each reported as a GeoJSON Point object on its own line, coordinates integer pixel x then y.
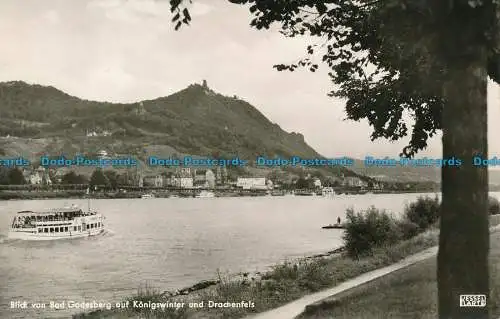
{"type": "Point", "coordinates": [408, 293]}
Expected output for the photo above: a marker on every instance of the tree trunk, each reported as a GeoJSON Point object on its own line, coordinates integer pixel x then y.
{"type": "Point", "coordinates": [464, 237]}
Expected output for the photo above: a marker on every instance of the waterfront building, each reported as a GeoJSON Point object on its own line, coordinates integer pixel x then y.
{"type": "Point", "coordinates": [35, 179]}
{"type": "Point", "coordinates": [353, 181]}
{"type": "Point", "coordinates": [185, 172]}
{"type": "Point", "coordinates": [251, 182]}
{"type": "Point", "coordinates": [317, 183]}
{"type": "Point", "coordinates": [199, 179]}
{"type": "Point", "coordinates": [181, 182]}
{"type": "Point", "coordinates": [209, 179]}
{"type": "Point", "coordinates": [270, 184]}
{"type": "Point", "coordinates": [186, 182]}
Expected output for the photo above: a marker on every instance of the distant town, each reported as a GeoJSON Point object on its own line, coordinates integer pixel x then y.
{"type": "Point", "coordinates": [41, 182]}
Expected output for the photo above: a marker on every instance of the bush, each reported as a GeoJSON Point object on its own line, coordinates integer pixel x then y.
{"type": "Point", "coordinates": [493, 206]}
{"type": "Point", "coordinates": [423, 213]}
{"type": "Point", "coordinates": [369, 229]}
{"type": "Point", "coordinates": [408, 229]}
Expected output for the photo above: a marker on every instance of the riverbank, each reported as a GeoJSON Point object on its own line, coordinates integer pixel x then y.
{"type": "Point", "coordinates": [409, 292]}
{"type": "Point", "coordinates": [260, 292]}
{"type": "Point", "coordinates": [81, 194]}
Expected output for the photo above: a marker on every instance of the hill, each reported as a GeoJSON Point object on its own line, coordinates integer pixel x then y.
{"type": "Point", "coordinates": [409, 174]}
{"type": "Point", "coordinates": [37, 120]}
{"type": "Point", "coordinates": [398, 173]}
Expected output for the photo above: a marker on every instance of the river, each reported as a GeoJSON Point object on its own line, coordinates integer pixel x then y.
{"type": "Point", "coordinates": [167, 244]}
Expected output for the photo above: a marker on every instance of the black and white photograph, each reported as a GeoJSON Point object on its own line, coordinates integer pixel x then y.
{"type": "Point", "coordinates": [257, 159]}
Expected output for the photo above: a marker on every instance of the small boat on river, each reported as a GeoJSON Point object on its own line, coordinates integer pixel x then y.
{"type": "Point", "coordinates": [335, 226]}
{"type": "Point", "coordinates": [205, 194]}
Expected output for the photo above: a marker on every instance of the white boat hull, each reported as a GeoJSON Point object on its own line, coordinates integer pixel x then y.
{"type": "Point", "coordinates": [54, 236]}
{"type": "Point", "coordinates": [205, 194]}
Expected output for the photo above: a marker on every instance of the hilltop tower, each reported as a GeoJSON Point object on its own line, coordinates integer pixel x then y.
{"type": "Point", "coordinates": [140, 109]}
{"type": "Point", "coordinates": [205, 85]}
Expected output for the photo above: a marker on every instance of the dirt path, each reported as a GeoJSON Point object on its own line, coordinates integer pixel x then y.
{"type": "Point", "coordinates": [295, 308]}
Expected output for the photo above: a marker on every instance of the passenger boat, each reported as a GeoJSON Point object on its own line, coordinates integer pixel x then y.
{"type": "Point", "coordinates": [56, 223]}
{"type": "Point", "coordinates": [147, 196]}
{"type": "Point", "coordinates": [205, 194]}
{"type": "Point", "coordinates": [336, 226]}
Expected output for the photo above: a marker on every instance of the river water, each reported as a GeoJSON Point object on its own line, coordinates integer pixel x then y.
{"type": "Point", "coordinates": [167, 244]}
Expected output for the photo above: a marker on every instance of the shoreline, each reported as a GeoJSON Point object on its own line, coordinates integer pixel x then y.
{"type": "Point", "coordinates": [42, 195]}
{"type": "Point", "coordinates": [249, 275]}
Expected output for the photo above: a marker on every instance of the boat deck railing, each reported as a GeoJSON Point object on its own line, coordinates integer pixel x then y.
{"type": "Point", "coordinates": [35, 219]}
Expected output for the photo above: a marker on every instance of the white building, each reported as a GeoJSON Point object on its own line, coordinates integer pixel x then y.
{"type": "Point", "coordinates": [102, 154]}
{"type": "Point", "coordinates": [251, 182]}
{"type": "Point", "coordinates": [39, 176]}
{"type": "Point", "coordinates": [270, 184]}
{"type": "Point", "coordinates": [209, 179]}
{"type": "Point", "coordinates": [158, 181]}
{"type": "Point", "coordinates": [35, 179]}
{"type": "Point", "coordinates": [317, 183]}
{"type": "Point", "coordinates": [185, 172]}
{"type": "Point", "coordinates": [186, 182]}
{"type": "Point", "coordinates": [354, 182]}
{"type": "Point", "coordinates": [182, 182]}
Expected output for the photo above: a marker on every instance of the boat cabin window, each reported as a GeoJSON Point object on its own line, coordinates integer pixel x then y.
{"type": "Point", "coordinates": [88, 226]}
{"type": "Point", "coordinates": [65, 228]}
{"type": "Point", "coordinates": [74, 228]}
{"type": "Point", "coordinates": [51, 229]}
{"type": "Point", "coordinates": [45, 230]}
{"type": "Point", "coordinates": [57, 229]}
{"type": "Point", "coordinates": [40, 230]}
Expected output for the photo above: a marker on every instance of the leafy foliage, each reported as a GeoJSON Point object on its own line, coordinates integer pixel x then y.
{"type": "Point", "coordinates": [98, 178]}
{"type": "Point", "coordinates": [15, 177]}
{"type": "Point", "coordinates": [73, 178]}
{"type": "Point", "coordinates": [369, 229]}
{"type": "Point", "coordinates": [493, 206]}
{"type": "Point", "coordinates": [424, 212]}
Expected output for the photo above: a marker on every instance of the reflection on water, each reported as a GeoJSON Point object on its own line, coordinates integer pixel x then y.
{"type": "Point", "coordinates": [167, 243]}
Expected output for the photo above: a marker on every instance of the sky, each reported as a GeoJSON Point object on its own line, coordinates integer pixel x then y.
{"type": "Point", "coordinates": [127, 51]}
